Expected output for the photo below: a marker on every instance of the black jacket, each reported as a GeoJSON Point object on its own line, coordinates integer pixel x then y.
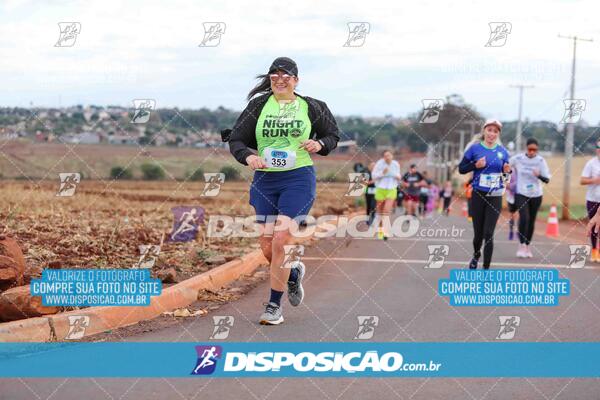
{"type": "Point", "coordinates": [242, 137]}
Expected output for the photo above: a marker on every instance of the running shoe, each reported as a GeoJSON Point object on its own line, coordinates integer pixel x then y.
{"type": "Point", "coordinates": [595, 256]}
{"type": "Point", "coordinates": [295, 290]}
{"type": "Point", "coordinates": [473, 263]}
{"type": "Point", "coordinates": [272, 315]}
{"type": "Point", "coordinates": [522, 251]}
{"type": "Point", "coordinates": [528, 252]}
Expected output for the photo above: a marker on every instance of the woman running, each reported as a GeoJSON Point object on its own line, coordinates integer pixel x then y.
{"type": "Point", "coordinates": [488, 160]}
{"type": "Point", "coordinates": [386, 175]}
{"type": "Point", "coordinates": [412, 181]}
{"type": "Point", "coordinates": [284, 128]}
{"type": "Point", "coordinates": [591, 176]}
{"type": "Point", "coordinates": [446, 195]}
{"type": "Point", "coordinates": [531, 170]}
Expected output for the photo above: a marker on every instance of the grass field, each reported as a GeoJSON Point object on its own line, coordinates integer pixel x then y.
{"type": "Point", "coordinates": [24, 160]}
{"type": "Point", "coordinates": [103, 224]}
{"type": "Point", "coordinates": [553, 191]}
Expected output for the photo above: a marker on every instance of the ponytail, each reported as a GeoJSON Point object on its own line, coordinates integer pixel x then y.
{"type": "Point", "coordinates": [262, 87]}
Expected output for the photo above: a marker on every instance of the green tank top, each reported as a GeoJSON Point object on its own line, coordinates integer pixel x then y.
{"type": "Point", "coordinates": [280, 129]}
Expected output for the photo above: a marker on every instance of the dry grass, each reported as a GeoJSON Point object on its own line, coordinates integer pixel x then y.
{"type": "Point", "coordinates": [103, 224]}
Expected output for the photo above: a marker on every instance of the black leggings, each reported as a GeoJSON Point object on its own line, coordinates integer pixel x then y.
{"type": "Point", "coordinates": [485, 211]}
{"type": "Point", "coordinates": [371, 205]}
{"type": "Point", "coordinates": [528, 208]}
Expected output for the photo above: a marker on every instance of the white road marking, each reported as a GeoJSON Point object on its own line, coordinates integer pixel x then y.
{"type": "Point", "coordinates": [460, 263]}
{"type": "Point", "coordinates": [453, 240]}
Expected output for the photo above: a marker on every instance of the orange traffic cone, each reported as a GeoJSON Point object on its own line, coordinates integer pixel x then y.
{"type": "Point", "coordinates": [465, 210]}
{"type": "Point", "coordinates": [552, 226]}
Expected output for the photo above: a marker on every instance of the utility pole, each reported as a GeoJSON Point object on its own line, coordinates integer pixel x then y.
{"type": "Point", "coordinates": [570, 132]}
{"type": "Point", "coordinates": [461, 145]}
{"type": "Point", "coordinates": [519, 122]}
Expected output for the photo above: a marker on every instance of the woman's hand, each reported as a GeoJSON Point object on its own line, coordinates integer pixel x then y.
{"type": "Point", "coordinates": [312, 146]}
{"type": "Point", "coordinates": [480, 163]}
{"type": "Point", "coordinates": [255, 162]}
{"type": "Point", "coordinates": [506, 168]}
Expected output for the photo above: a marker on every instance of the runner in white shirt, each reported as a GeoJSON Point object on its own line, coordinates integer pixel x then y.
{"type": "Point", "coordinates": [386, 175]}
{"type": "Point", "coordinates": [531, 170]}
{"type": "Point", "coordinates": [591, 176]}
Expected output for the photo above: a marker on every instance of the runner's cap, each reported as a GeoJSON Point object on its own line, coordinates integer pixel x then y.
{"type": "Point", "coordinates": [284, 64]}
{"type": "Point", "coordinates": [493, 122]}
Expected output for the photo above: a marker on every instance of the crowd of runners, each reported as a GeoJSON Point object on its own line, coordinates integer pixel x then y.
{"type": "Point", "coordinates": [279, 131]}
{"type": "Point", "coordinates": [412, 193]}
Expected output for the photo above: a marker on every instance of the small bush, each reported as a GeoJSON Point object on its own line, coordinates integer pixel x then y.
{"type": "Point", "coordinates": [332, 177]}
{"type": "Point", "coordinates": [120, 173]}
{"type": "Point", "coordinates": [196, 175]}
{"type": "Point", "coordinates": [152, 172]}
{"type": "Point", "coordinates": [231, 173]}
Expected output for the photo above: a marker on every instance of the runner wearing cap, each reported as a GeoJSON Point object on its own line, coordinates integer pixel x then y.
{"type": "Point", "coordinates": [488, 160]}
{"type": "Point", "coordinates": [591, 176]}
{"type": "Point", "coordinates": [275, 135]}
{"type": "Point", "coordinates": [531, 170]}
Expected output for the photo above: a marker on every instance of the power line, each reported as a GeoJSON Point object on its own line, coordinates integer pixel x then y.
{"type": "Point", "coordinates": [570, 130]}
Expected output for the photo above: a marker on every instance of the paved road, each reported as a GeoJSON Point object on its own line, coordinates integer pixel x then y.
{"type": "Point", "coordinates": [348, 278]}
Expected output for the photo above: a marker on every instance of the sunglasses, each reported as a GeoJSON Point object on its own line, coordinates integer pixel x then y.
{"type": "Point", "coordinates": [532, 149]}
{"type": "Point", "coordinates": [284, 77]}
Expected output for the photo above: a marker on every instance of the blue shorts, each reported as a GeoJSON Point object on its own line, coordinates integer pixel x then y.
{"type": "Point", "coordinates": [291, 193]}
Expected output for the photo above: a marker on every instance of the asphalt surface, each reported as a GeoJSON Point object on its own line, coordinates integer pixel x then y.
{"type": "Point", "coordinates": [347, 278]}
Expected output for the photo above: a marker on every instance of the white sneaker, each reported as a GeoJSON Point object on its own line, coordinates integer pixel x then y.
{"type": "Point", "coordinates": [528, 252]}
{"type": "Point", "coordinates": [521, 252]}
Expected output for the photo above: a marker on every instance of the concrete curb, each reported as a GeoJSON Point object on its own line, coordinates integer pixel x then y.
{"type": "Point", "coordinates": [101, 319]}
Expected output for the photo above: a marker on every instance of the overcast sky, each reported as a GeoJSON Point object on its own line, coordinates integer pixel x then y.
{"type": "Point", "coordinates": [150, 49]}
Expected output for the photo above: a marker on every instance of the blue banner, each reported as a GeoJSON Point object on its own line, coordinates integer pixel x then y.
{"type": "Point", "coordinates": [298, 359]}
{"type": "Point", "coordinates": [504, 287]}
{"type": "Point", "coordinates": [95, 287]}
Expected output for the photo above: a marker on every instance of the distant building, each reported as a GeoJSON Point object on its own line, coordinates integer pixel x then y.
{"type": "Point", "coordinates": [78, 138]}
{"type": "Point", "coordinates": [122, 139]}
